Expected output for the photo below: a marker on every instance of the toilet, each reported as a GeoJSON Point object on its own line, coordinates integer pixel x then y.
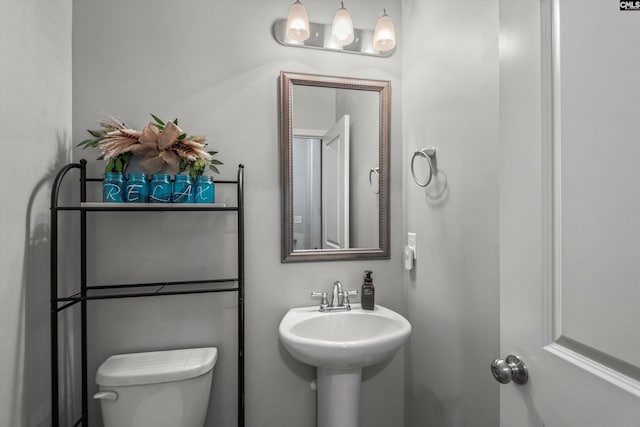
{"type": "Point", "coordinates": [159, 388]}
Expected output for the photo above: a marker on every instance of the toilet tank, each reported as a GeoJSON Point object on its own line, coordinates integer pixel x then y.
{"type": "Point", "coordinates": [159, 388]}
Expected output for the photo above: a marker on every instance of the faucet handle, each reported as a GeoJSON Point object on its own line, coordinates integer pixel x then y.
{"type": "Point", "coordinates": [346, 296]}
{"type": "Point", "coordinates": [324, 302]}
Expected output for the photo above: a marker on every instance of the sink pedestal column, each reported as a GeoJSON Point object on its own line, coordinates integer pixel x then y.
{"type": "Point", "coordinates": [338, 396]}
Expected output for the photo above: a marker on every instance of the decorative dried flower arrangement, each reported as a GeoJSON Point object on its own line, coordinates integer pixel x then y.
{"type": "Point", "coordinates": [158, 147]}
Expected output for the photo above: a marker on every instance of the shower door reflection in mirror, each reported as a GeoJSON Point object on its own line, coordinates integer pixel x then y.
{"type": "Point", "coordinates": [321, 188]}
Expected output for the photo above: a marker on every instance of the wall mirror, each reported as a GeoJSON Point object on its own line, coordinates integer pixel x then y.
{"type": "Point", "coordinates": [334, 144]}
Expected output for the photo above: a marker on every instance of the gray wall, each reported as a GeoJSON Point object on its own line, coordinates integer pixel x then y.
{"type": "Point", "coordinates": [186, 59]}
{"type": "Point", "coordinates": [35, 133]}
{"type": "Point", "coordinates": [314, 108]}
{"type": "Point", "coordinates": [450, 101]}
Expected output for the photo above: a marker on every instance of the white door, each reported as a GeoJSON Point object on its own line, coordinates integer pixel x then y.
{"type": "Point", "coordinates": [335, 186]}
{"type": "Point", "coordinates": [570, 212]}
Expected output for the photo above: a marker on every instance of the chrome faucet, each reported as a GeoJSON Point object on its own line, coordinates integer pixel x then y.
{"type": "Point", "coordinates": [339, 298]}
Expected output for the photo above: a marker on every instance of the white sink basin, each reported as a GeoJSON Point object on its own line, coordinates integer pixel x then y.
{"type": "Point", "coordinates": [344, 339]}
{"type": "Point", "coordinates": [340, 344]}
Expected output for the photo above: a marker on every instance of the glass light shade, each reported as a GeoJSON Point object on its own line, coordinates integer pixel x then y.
{"type": "Point", "coordinates": [384, 36]}
{"type": "Point", "coordinates": [298, 22]}
{"type": "Point", "coordinates": [342, 28]}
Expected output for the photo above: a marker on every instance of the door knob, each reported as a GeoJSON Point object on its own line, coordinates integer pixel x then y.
{"type": "Point", "coordinates": [510, 369]}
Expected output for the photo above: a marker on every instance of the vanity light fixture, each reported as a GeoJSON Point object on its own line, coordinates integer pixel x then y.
{"type": "Point", "coordinates": [298, 22]}
{"type": "Point", "coordinates": [340, 36]}
{"type": "Point", "coordinates": [384, 36]}
{"type": "Point", "coordinates": [342, 28]}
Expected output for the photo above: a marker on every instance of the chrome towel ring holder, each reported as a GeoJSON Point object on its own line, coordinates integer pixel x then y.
{"type": "Point", "coordinates": [430, 155]}
{"type": "Point", "coordinates": [374, 171]}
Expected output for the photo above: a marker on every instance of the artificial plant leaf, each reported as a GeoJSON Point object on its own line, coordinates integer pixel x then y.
{"type": "Point", "coordinates": [216, 162]}
{"type": "Point", "coordinates": [158, 120]}
{"type": "Point", "coordinates": [182, 166]}
{"type": "Point", "coordinates": [119, 165]}
{"type": "Point", "coordinates": [214, 169]}
{"type": "Point", "coordinates": [86, 143]}
{"type": "Point", "coordinates": [96, 133]}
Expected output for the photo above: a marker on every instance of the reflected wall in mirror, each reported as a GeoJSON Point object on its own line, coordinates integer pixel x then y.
{"type": "Point", "coordinates": [334, 165]}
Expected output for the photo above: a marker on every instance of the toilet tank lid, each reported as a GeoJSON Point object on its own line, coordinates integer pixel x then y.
{"type": "Point", "coordinates": [156, 366]}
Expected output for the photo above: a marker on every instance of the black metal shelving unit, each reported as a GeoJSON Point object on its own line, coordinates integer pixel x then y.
{"type": "Point", "coordinates": [99, 292]}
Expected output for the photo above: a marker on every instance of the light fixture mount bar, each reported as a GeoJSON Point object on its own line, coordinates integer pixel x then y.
{"type": "Point", "coordinates": [320, 38]}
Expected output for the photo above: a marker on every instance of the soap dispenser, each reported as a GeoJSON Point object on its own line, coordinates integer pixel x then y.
{"type": "Point", "coordinates": [368, 291]}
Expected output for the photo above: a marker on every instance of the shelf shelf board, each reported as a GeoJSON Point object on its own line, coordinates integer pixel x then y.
{"type": "Point", "coordinates": [157, 293]}
{"type": "Point", "coordinates": [133, 290]}
{"type": "Point", "coordinates": [158, 207]}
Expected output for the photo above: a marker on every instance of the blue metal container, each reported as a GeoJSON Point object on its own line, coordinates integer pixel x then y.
{"type": "Point", "coordinates": [183, 191]}
{"type": "Point", "coordinates": [137, 188]}
{"type": "Point", "coordinates": [160, 189]}
{"type": "Point", "coordinates": [205, 189]}
{"type": "Point", "coordinates": [113, 187]}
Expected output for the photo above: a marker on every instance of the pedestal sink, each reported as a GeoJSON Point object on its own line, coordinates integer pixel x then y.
{"type": "Point", "coordinates": [340, 344]}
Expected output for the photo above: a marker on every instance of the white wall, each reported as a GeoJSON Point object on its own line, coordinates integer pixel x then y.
{"type": "Point", "coordinates": [35, 132]}
{"type": "Point", "coordinates": [450, 101]}
{"type": "Point", "coordinates": [186, 59]}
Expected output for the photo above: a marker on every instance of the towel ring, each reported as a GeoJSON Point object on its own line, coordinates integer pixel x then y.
{"type": "Point", "coordinates": [374, 171]}
{"type": "Point", "coordinates": [430, 155]}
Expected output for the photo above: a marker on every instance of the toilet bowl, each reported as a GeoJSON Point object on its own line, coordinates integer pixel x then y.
{"type": "Point", "coordinates": [160, 388]}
